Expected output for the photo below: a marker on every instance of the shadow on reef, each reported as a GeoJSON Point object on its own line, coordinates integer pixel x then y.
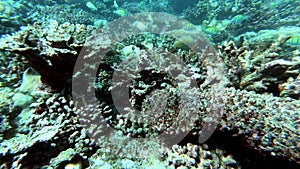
{"type": "Point", "coordinates": [237, 146]}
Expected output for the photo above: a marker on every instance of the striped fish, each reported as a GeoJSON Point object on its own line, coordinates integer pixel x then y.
{"type": "Point", "coordinates": [293, 41]}
{"type": "Point", "coordinates": [212, 30]}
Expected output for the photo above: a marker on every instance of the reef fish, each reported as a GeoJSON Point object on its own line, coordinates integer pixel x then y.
{"type": "Point", "coordinates": [238, 18]}
{"type": "Point", "coordinates": [91, 6]}
{"type": "Point", "coordinates": [212, 30]}
{"type": "Point", "coordinates": [293, 41]}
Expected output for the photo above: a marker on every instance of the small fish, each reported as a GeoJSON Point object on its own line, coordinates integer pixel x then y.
{"type": "Point", "coordinates": [238, 18]}
{"type": "Point", "coordinates": [120, 12]}
{"type": "Point", "coordinates": [293, 41]}
{"type": "Point", "coordinates": [116, 4]}
{"type": "Point", "coordinates": [212, 30]}
{"type": "Point", "coordinates": [189, 27]}
{"type": "Point", "coordinates": [91, 6]}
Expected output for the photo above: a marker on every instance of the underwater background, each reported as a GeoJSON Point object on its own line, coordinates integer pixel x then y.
{"type": "Point", "coordinates": [257, 42]}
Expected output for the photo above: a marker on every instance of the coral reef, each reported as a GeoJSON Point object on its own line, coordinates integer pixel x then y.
{"type": "Point", "coordinates": [264, 62]}
{"type": "Point", "coordinates": [42, 127]}
{"type": "Point", "coordinates": [195, 156]}
{"type": "Point", "coordinates": [48, 125]}
{"type": "Point", "coordinates": [78, 12]}
{"type": "Point", "coordinates": [75, 13]}
{"type": "Point", "coordinates": [232, 18]}
{"type": "Point", "coordinates": [269, 124]}
{"type": "Point", "coordinates": [50, 48]}
{"type": "Point", "coordinates": [12, 66]}
{"type": "Point", "coordinates": [266, 123]}
{"type": "Point", "coordinates": [12, 15]}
